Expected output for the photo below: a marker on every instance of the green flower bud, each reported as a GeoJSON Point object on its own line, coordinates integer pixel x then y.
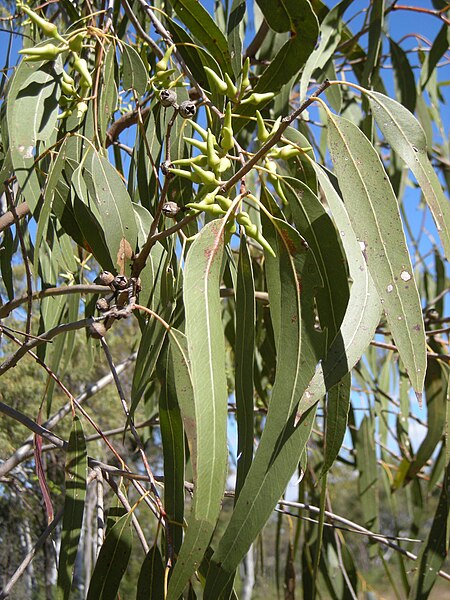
{"type": "Point", "coordinates": [80, 65]}
{"type": "Point", "coordinates": [218, 83]}
{"type": "Point", "coordinates": [200, 159]}
{"type": "Point", "coordinates": [163, 76]}
{"type": "Point", "coordinates": [245, 83]}
{"type": "Point", "coordinates": [49, 29]}
{"type": "Point", "coordinates": [76, 42]}
{"type": "Point", "coordinates": [231, 88]}
{"type": "Point", "coordinates": [263, 134]}
{"type": "Point", "coordinates": [67, 78]}
{"type": "Point", "coordinates": [199, 129]}
{"type": "Point", "coordinates": [212, 209]}
{"type": "Point", "coordinates": [210, 197]}
{"type": "Point", "coordinates": [224, 165]}
{"type": "Point", "coordinates": [230, 228]}
{"type": "Point", "coordinates": [64, 114]}
{"type": "Point", "coordinates": [186, 174]}
{"type": "Point", "coordinates": [289, 151]}
{"type": "Point", "coordinates": [213, 157]}
{"type": "Point", "coordinates": [67, 88]}
{"type": "Point", "coordinates": [162, 64]}
{"type": "Point", "coordinates": [202, 146]}
{"type": "Point", "coordinates": [258, 98]}
{"type": "Point", "coordinates": [252, 231]}
{"type": "Point", "coordinates": [227, 141]}
{"type": "Point", "coordinates": [46, 52]}
{"type": "Point", "coordinates": [206, 177]}
{"type": "Point", "coordinates": [227, 120]}
{"type": "Point", "coordinates": [223, 202]}
{"type": "Point", "coordinates": [81, 109]}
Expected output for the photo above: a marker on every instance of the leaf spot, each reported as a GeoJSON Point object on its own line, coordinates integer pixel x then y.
{"type": "Point", "coordinates": [389, 288]}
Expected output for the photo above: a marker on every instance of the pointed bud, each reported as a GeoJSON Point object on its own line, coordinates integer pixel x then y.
{"type": "Point", "coordinates": [263, 134]}
{"type": "Point", "coordinates": [80, 65]}
{"type": "Point", "coordinates": [231, 88]}
{"type": "Point", "coordinates": [258, 98]}
{"type": "Point", "coordinates": [162, 64]}
{"type": "Point", "coordinates": [245, 83]}
{"type": "Point", "coordinates": [76, 42]}
{"type": "Point", "coordinates": [49, 29]}
{"type": "Point", "coordinates": [213, 157]}
{"type": "Point", "coordinates": [218, 83]}
{"type": "Point", "coordinates": [45, 52]}
{"type": "Point", "coordinates": [206, 177]}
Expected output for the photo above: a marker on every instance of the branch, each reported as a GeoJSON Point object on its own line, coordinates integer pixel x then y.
{"type": "Point", "coordinates": [7, 219]}
{"type": "Point", "coordinates": [122, 123]}
{"type": "Point", "coordinates": [22, 452]}
{"type": "Point", "coordinates": [54, 291]}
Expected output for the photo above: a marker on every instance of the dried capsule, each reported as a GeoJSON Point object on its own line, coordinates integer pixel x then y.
{"type": "Point", "coordinates": [187, 109]}
{"type": "Point", "coordinates": [106, 278]}
{"type": "Point", "coordinates": [166, 166]}
{"type": "Point", "coordinates": [120, 282]}
{"type": "Point", "coordinates": [170, 209]}
{"type": "Point", "coordinates": [102, 304]}
{"type": "Point", "coordinates": [97, 330]}
{"type": "Point", "coordinates": [168, 98]}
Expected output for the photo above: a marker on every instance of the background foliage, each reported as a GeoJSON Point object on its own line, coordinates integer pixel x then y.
{"type": "Point", "coordinates": [224, 232]}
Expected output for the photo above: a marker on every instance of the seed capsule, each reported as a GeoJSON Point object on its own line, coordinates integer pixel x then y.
{"type": "Point", "coordinates": [120, 282]}
{"type": "Point", "coordinates": [170, 209]}
{"type": "Point", "coordinates": [102, 305]}
{"type": "Point", "coordinates": [106, 278]}
{"type": "Point", "coordinates": [97, 330]}
{"type": "Point", "coordinates": [187, 109]}
{"type": "Point", "coordinates": [168, 98]}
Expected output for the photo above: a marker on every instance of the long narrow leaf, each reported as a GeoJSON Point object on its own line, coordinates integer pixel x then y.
{"type": "Point", "coordinates": [375, 217]}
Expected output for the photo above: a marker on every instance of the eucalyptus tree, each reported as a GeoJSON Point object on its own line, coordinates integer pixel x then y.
{"type": "Point", "coordinates": [235, 187]}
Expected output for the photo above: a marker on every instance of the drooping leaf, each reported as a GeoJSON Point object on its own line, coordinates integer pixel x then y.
{"type": "Point", "coordinates": [197, 19]}
{"type": "Point", "coordinates": [112, 561]}
{"type": "Point", "coordinates": [114, 205]}
{"type": "Point", "coordinates": [366, 461]}
{"type": "Point", "coordinates": [407, 138]}
{"type": "Point", "coordinates": [375, 217]}
{"type": "Point", "coordinates": [237, 14]}
{"type": "Point", "coordinates": [338, 403]}
{"type": "Point", "coordinates": [244, 353]}
{"type": "Point", "coordinates": [134, 73]}
{"type": "Point", "coordinates": [282, 444]}
{"type": "Point", "coordinates": [363, 310]}
{"type": "Point", "coordinates": [150, 584]}
{"type": "Point", "coordinates": [403, 76]}
{"type": "Point", "coordinates": [207, 360]}
{"type": "Point", "coordinates": [108, 98]}
{"type": "Point", "coordinates": [76, 474]}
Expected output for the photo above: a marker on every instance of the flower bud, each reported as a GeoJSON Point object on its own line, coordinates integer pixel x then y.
{"type": "Point", "coordinates": [223, 202]}
{"type": "Point", "coordinates": [186, 174]}
{"type": "Point", "coordinates": [76, 42]}
{"type": "Point", "coordinates": [162, 64]}
{"type": "Point", "coordinates": [218, 83]}
{"type": "Point", "coordinates": [212, 209]}
{"type": "Point", "coordinates": [167, 98]}
{"type": "Point", "coordinates": [231, 88]}
{"type": "Point", "coordinates": [245, 83]}
{"type": "Point", "coordinates": [227, 142]}
{"type": "Point", "coordinates": [258, 98]}
{"type": "Point", "coordinates": [206, 177]}
{"type": "Point", "coordinates": [46, 52]}
{"type": "Point", "coordinates": [187, 109]}
{"type": "Point", "coordinates": [81, 109]}
{"type": "Point", "coordinates": [80, 65]}
{"type": "Point", "coordinates": [49, 29]}
{"type": "Point", "coordinates": [202, 146]}
{"type": "Point", "coordinates": [263, 134]}
{"type": "Point", "coordinates": [213, 157]}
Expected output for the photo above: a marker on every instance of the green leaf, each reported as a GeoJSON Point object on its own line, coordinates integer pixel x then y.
{"type": "Point", "coordinates": [282, 443]}
{"type": "Point", "coordinates": [403, 76]}
{"type": "Point", "coordinates": [435, 548]}
{"type": "Point", "coordinates": [112, 561]}
{"type": "Point", "coordinates": [150, 584]}
{"type": "Point", "coordinates": [76, 473]}
{"type": "Point", "coordinates": [406, 136]}
{"type": "Point", "coordinates": [374, 43]}
{"type": "Point", "coordinates": [206, 344]}
{"type": "Point", "coordinates": [363, 310]}
{"type": "Point", "coordinates": [237, 14]}
{"type": "Point", "coordinates": [172, 437]}
{"type": "Point", "coordinates": [108, 97]}
{"type": "Point", "coordinates": [31, 110]}
{"type": "Point", "coordinates": [436, 394]}
{"type": "Point", "coordinates": [338, 404]}
{"type": "Point", "coordinates": [375, 217]}
{"type": "Point", "coordinates": [437, 50]}
{"type": "Point", "coordinates": [330, 36]}
{"type": "Point", "coordinates": [315, 225]}
{"type": "Point", "coordinates": [197, 19]}
{"type": "Point", "coordinates": [366, 461]}
{"type": "Point", "coordinates": [134, 73]}
{"type": "Point", "coordinates": [115, 207]}
{"type": "Point", "coordinates": [244, 356]}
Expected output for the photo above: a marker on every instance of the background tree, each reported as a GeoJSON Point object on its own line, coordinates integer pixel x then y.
{"type": "Point", "coordinates": [214, 209]}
